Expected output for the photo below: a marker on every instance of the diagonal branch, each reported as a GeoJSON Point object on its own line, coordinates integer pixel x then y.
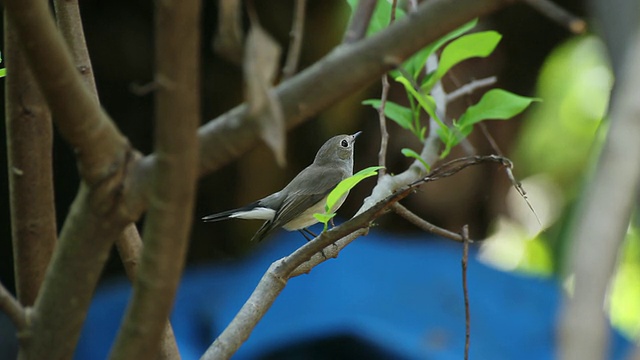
{"type": "Point", "coordinates": [318, 250]}
{"type": "Point", "coordinates": [344, 70]}
{"type": "Point", "coordinates": [168, 222]}
{"type": "Point", "coordinates": [10, 306]}
{"type": "Point", "coordinates": [425, 225]}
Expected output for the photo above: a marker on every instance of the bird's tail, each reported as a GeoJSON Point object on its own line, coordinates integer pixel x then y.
{"type": "Point", "coordinates": [228, 214]}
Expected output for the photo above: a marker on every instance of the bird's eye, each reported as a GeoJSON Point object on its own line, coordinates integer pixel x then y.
{"type": "Point", "coordinates": [344, 143]}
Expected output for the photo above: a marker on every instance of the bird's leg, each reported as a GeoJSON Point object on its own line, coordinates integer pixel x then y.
{"type": "Point", "coordinates": [306, 233]}
{"type": "Point", "coordinates": [302, 231]}
{"type": "Point", "coordinates": [306, 230]}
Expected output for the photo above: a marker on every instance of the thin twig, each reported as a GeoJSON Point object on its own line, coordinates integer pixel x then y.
{"type": "Point", "coordinates": [465, 289]}
{"type": "Point", "coordinates": [384, 134]}
{"type": "Point", "coordinates": [554, 12]}
{"type": "Point", "coordinates": [295, 43]}
{"type": "Point", "coordinates": [10, 306]}
{"type": "Point", "coordinates": [469, 88]}
{"type": "Point", "coordinates": [359, 21]}
{"type": "Point", "coordinates": [424, 224]}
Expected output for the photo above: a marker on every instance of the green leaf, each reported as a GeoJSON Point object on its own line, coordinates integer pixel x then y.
{"type": "Point", "coordinates": [479, 44]}
{"type": "Point", "coordinates": [425, 101]}
{"type": "Point", "coordinates": [3, 72]}
{"type": "Point", "coordinates": [381, 15]}
{"type": "Point", "coordinates": [340, 191]}
{"type": "Point", "coordinates": [416, 63]}
{"type": "Point", "coordinates": [496, 104]}
{"type": "Point", "coordinates": [414, 155]}
{"type": "Point", "coordinates": [347, 184]}
{"type": "Point", "coordinates": [324, 218]}
{"type": "Point", "coordinates": [401, 115]}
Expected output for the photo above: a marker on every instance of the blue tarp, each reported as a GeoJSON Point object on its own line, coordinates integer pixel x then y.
{"type": "Point", "coordinates": [397, 298]}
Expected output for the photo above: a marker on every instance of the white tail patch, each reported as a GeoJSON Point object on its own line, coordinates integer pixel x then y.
{"type": "Point", "coordinates": [259, 213]}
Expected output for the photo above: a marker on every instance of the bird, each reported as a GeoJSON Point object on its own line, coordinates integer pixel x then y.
{"type": "Point", "coordinates": [292, 208]}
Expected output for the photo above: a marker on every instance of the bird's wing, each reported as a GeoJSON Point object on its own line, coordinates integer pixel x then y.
{"type": "Point", "coordinates": [301, 198]}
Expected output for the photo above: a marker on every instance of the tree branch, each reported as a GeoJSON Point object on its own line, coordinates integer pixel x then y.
{"type": "Point", "coordinates": [347, 68]}
{"type": "Point", "coordinates": [169, 217]}
{"type": "Point", "coordinates": [602, 224]}
{"type": "Point", "coordinates": [82, 123]}
{"type": "Point", "coordinates": [554, 12]}
{"type": "Point", "coordinates": [10, 306]}
{"type": "Point", "coordinates": [129, 244]}
{"type": "Point", "coordinates": [359, 21]}
{"type": "Point", "coordinates": [309, 255]}
{"type": "Point", "coordinates": [423, 224]}
{"type": "Point", "coordinates": [295, 44]}
{"type": "Point", "coordinates": [29, 144]}
{"type": "Point", "coordinates": [70, 25]}
{"type": "Point", "coordinates": [76, 265]}
{"type": "Point", "coordinates": [465, 290]}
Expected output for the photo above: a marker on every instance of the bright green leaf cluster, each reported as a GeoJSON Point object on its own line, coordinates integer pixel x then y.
{"type": "Point", "coordinates": [456, 48]}
{"type": "Point", "coordinates": [341, 191]}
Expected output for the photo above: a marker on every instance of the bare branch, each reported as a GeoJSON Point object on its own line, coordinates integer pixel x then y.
{"type": "Point", "coordinates": [601, 226]}
{"type": "Point", "coordinates": [169, 217]}
{"type": "Point", "coordinates": [98, 143]}
{"type": "Point", "coordinates": [425, 225]}
{"type": "Point", "coordinates": [359, 21]}
{"type": "Point", "coordinates": [75, 268]}
{"type": "Point", "coordinates": [295, 44]}
{"type": "Point", "coordinates": [384, 134]}
{"type": "Point", "coordinates": [70, 25]}
{"type": "Point", "coordinates": [465, 289]}
{"type": "Point", "coordinates": [470, 88]}
{"type": "Point", "coordinates": [29, 147]}
{"type": "Point", "coordinates": [10, 306]}
{"type": "Point", "coordinates": [554, 12]}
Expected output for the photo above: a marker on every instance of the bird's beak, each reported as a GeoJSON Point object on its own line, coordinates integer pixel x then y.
{"type": "Point", "coordinates": [356, 134]}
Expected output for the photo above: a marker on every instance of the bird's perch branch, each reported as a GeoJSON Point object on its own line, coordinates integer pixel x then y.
{"type": "Point", "coordinates": [305, 258]}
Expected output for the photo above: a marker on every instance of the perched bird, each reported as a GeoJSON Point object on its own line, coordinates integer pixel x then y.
{"type": "Point", "coordinates": [292, 208]}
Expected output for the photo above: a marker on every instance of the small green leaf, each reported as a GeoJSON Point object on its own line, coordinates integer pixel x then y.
{"type": "Point", "coordinates": [340, 191]}
{"type": "Point", "coordinates": [496, 104]}
{"type": "Point", "coordinates": [425, 101]}
{"type": "Point", "coordinates": [401, 115]}
{"type": "Point", "coordinates": [479, 44]}
{"type": "Point", "coordinates": [347, 184]}
{"type": "Point", "coordinates": [3, 72]}
{"type": "Point", "coordinates": [414, 155]}
{"type": "Point", "coordinates": [324, 218]}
